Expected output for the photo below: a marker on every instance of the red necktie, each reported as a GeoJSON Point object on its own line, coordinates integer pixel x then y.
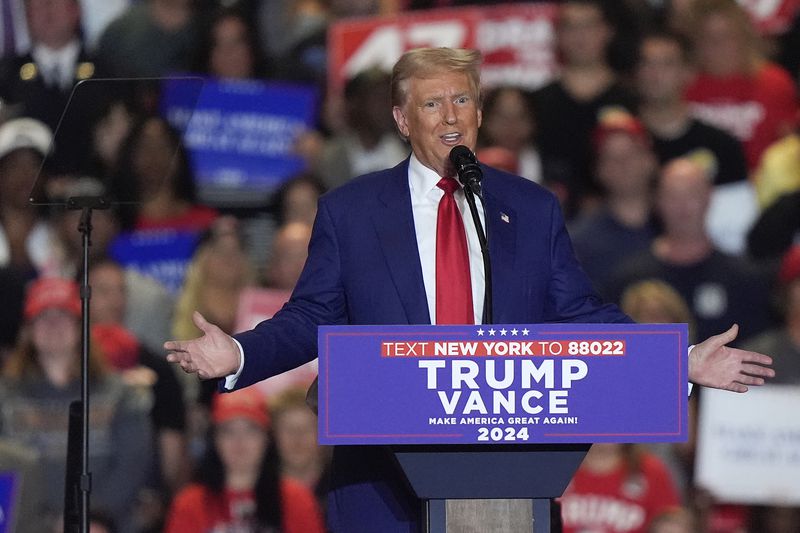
{"type": "Point", "coordinates": [453, 286]}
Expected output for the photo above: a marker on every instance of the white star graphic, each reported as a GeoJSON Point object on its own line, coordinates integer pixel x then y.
{"type": "Point", "coordinates": [480, 332]}
{"type": "Point", "coordinates": [491, 331]}
{"type": "Point", "coordinates": [503, 332]}
{"type": "Point", "coordinates": [514, 331]}
{"type": "Point", "coordinates": [525, 331]}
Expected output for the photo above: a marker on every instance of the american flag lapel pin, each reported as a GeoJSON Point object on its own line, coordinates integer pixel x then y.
{"type": "Point", "coordinates": [504, 218]}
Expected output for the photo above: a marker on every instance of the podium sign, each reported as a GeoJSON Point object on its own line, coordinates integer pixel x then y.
{"type": "Point", "coordinates": [503, 384]}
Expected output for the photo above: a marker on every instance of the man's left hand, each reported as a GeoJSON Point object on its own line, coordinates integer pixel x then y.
{"type": "Point", "coordinates": [713, 364]}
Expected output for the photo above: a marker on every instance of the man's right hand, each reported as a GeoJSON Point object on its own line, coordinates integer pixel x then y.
{"type": "Point", "coordinates": [214, 355]}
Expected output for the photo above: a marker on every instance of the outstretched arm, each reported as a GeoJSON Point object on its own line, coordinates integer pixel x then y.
{"type": "Point", "coordinates": [214, 355]}
{"type": "Point", "coordinates": [713, 364]}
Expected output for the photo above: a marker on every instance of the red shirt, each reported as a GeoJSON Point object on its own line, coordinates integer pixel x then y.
{"type": "Point", "coordinates": [617, 501]}
{"type": "Point", "coordinates": [755, 109]}
{"type": "Point", "coordinates": [197, 218]}
{"type": "Point", "coordinates": [198, 510]}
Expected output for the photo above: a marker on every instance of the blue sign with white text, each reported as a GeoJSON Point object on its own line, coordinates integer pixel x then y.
{"type": "Point", "coordinates": [542, 383]}
{"type": "Point", "coordinates": [240, 135]}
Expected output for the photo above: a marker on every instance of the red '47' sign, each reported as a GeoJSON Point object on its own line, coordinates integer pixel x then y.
{"type": "Point", "coordinates": [517, 41]}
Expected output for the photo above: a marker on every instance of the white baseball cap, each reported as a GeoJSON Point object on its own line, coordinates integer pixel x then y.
{"type": "Point", "coordinates": [21, 133]}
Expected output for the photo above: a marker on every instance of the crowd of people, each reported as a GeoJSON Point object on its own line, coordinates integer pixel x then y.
{"type": "Point", "coordinates": [670, 136]}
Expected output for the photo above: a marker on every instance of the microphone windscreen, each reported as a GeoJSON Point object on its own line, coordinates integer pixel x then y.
{"type": "Point", "coordinates": [461, 155]}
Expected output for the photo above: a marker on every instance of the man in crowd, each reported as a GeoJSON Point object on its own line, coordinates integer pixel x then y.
{"type": "Point", "coordinates": [378, 256]}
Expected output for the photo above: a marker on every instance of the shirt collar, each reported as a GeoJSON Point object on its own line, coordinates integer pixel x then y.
{"type": "Point", "coordinates": [66, 55]}
{"type": "Point", "coordinates": [421, 179]}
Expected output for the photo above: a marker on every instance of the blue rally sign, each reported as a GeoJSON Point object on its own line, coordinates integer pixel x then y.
{"type": "Point", "coordinates": [240, 134]}
{"type": "Point", "coordinates": [544, 383]}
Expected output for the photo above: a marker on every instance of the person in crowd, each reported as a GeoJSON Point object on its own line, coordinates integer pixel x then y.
{"type": "Point", "coordinates": [40, 379]}
{"type": "Point", "coordinates": [372, 260]}
{"type": "Point", "coordinates": [509, 122]}
{"type": "Point", "coordinates": [663, 72]}
{"type": "Point", "coordinates": [155, 180]}
{"type": "Point", "coordinates": [229, 48]}
{"type": "Point", "coordinates": [567, 108]}
{"type": "Point", "coordinates": [367, 142]}
{"type": "Point", "coordinates": [720, 289]}
{"type": "Point", "coordinates": [618, 488]}
{"type": "Point", "coordinates": [288, 255]}
{"type": "Point", "coordinates": [239, 486]}
{"type": "Point", "coordinates": [126, 354]}
{"type": "Point", "coordinates": [783, 342]}
{"type": "Point", "coordinates": [296, 200]}
{"type": "Point", "coordinates": [737, 88]}
{"type": "Point", "coordinates": [216, 276]}
{"type": "Point", "coordinates": [295, 430]}
{"type": "Point", "coordinates": [150, 39]}
{"type": "Point", "coordinates": [625, 168]}
{"type": "Point", "coordinates": [40, 81]}
{"type": "Point", "coordinates": [26, 238]}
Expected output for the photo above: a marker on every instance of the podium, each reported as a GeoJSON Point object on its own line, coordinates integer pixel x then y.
{"type": "Point", "coordinates": [503, 412]}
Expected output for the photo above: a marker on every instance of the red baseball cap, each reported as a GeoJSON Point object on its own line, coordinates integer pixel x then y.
{"type": "Point", "coordinates": [52, 293]}
{"type": "Point", "coordinates": [615, 119]}
{"type": "Point", "coordinates": [248, 403]}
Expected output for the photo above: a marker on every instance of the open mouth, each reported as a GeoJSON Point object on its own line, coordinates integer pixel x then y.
{"type": "Point", "coordinates": [451, 138]}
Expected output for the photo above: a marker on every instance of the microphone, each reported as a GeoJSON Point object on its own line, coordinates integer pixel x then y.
{"type": "Point", "coordinates": [469, 173]}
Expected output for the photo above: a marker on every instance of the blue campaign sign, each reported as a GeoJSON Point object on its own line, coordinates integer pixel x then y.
{"type": "Point", "coordinates": [239, 134]}
{"type": "Point", "coordinates": [163, 254]}
{"type": "Point", "coordinates": [8, 497]}
{"type": "Point", "coordinates": [543, 383]}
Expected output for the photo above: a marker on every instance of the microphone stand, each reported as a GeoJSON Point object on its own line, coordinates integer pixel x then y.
{"type": "Point", "coordinates": [85, 204]}
{"type": "Point", "coordinates": [487, 264]}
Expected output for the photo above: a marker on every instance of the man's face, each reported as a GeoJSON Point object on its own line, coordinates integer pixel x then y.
{"type": "Point", "coordinates": [583, 34]}
{"type": "Point", "coordinates": [662, 74]}
{"type": "Point", "coordinates": [625, 165]}
{"type": "Point", "coordinates": [53, 22]}
{"type": "Point", "coordinates": [682, 199]}
{"type": "Point", "coordinates": [439, 114]}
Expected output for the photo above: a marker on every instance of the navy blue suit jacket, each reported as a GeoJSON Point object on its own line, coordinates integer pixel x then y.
{"type": "Point", "coordinates": [363, 267]}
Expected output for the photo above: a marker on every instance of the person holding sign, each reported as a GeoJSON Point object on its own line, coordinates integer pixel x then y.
{"type": "Point", "coordinates": [398, 247]}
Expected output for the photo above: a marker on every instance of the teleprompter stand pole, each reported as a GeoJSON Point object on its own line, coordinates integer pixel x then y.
{"type": "Point", "coordinates": [82, 484]}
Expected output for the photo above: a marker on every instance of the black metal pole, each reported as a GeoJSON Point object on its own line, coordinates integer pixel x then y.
{"type": "Point", "coordinates": [85, 228]}
{"type": "Point", "coordinates": [487, 264]}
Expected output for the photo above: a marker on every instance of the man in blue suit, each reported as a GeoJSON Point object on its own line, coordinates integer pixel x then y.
{"type": "Point", "coordinates": [372, 260]}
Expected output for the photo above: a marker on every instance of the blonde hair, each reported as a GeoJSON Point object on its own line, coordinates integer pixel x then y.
{"type": "Point", "coordinates": [191, 295]}
{"type": "Point", "coordinates": [428, 62]}
{"type": "Point", "coordinates": [637, 294]}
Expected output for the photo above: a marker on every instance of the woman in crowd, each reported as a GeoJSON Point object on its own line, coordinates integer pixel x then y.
{"type": "Point", "coordinates": [239, 487]}
{"type": "Point", "coordinates": [39, 381]}
{"type": "Point", "coordinates": [155, 182]}
{"type": "Point", "coordinates": [229, 48]}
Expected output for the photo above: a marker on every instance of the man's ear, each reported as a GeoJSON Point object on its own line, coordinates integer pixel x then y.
{"type": "Point", "coordinates": [400, 120]}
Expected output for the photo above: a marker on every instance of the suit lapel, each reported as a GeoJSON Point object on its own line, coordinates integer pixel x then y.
{"type": "Point", "coordinates": [502, 236]}
{"type": "Point", "coordinates": [394, 223]}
